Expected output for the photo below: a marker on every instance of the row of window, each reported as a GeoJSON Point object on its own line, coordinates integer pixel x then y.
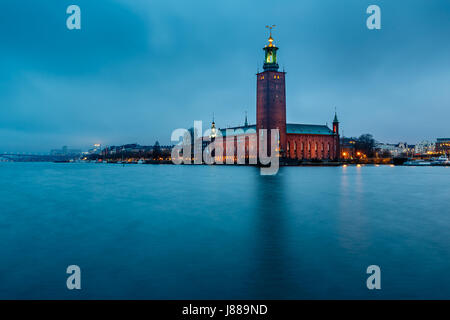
{"type": "Point", "coordinates": [275, 77]}
{"type": "Point", "coordinates": [309, 146]}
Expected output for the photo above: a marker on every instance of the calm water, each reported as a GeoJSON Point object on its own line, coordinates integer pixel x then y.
{"type": "Point", "coordinates": [188, 232]}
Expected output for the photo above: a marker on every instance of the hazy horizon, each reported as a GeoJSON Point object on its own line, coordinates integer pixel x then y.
{"type": "Point", "coordinates": [138, 70]}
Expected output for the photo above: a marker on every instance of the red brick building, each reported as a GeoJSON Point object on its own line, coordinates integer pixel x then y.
{"type": "Point", "coordinates": [296, 141]}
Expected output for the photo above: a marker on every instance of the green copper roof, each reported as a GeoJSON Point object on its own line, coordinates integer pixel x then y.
{"type": "Point", "coordinates": [308, 129]}
{"type": "Point", "coordinates": [291, 128]}
{"type": "Point", "coordinates": [239, 130]}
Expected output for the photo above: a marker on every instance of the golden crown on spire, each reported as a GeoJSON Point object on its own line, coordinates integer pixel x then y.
{"type": "Point", "coordinates": [270, 35]}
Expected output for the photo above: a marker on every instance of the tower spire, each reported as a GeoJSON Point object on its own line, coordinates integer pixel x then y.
{"type": "Point", "coordinates": [270, 34]}
{"type": "Point", "coordinates": [213, 129]}
{"type": "Point", "coordinates": [246, 122]}
{"type": "Point", "coordinates": [335, 123]}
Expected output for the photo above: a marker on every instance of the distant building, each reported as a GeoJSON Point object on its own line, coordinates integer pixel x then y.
{"type": "Point", "coordinates": [65, 151]}
{"type": "Point", "coordinates": [396, 150]}
{"type": "Point", "coordinates": [135, 149]}
{"type": "Point", "coordinates": [425, 147]}
{"type": "Point", "coordinates": [96, 149]}
{"type": "Point", "coordinates": [443, 146]}
{"type": "Point", "coordinates": [348, 148]}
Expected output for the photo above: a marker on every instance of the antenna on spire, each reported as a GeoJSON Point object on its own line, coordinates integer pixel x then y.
{"type": "Point", "coordinates": [270, 29]}
{"type": "Point", "coordinates": [270, 34]}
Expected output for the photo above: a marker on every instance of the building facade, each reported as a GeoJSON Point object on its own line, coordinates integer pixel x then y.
{"type": "Point", "coordinates": [425, 147]}
{"type": "Point", "coordinates": [396, 149]}
{"type": "Point", "coordinates": [295, 141]}
{"type": "Point", "coordinates": [443, 146]}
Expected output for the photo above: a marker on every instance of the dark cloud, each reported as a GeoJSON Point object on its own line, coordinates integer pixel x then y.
{"type": "Point", "coordinates": [139, 69]}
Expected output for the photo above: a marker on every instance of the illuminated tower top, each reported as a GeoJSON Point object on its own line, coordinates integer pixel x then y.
{"type": "Point", "coordinates": [270, 61]}
{"type": "Point", "coordinates": [213, 134]}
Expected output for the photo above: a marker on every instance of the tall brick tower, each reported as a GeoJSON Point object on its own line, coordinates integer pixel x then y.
{"type": "Point", "coordinates": [271, 97]}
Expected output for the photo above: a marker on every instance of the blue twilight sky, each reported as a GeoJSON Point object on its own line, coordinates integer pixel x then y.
{"type": "Point", "coordinates": [139, 69]}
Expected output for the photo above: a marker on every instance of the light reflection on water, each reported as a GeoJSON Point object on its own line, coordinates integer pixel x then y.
{"type": "Point", "coordinates": [188, 232]}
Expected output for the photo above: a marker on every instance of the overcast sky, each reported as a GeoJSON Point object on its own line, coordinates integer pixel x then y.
{"type": "Point", "coordinates": [139, 69]}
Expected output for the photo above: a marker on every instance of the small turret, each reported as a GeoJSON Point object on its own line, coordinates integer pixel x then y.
{"type": "Point", "coordinates": [335, 124]}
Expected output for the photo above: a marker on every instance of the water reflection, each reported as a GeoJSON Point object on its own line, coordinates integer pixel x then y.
{"type": "Point", "coordinates": [271, 233]}
{"type": "Point", "coordinates": [352, 212]}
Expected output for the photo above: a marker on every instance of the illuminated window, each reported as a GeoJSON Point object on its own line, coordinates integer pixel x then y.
{"type": "Point", "coordinates": [274, 77]}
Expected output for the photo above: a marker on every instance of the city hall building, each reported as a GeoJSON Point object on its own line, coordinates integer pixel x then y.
{"type": "Point", "coordinates": [295, 140]}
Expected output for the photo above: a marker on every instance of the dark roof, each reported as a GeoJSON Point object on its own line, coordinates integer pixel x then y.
{"type": "Point", "coordinates": [297, 128]}
{"type": "Point", "coordinates": [335, 118]}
